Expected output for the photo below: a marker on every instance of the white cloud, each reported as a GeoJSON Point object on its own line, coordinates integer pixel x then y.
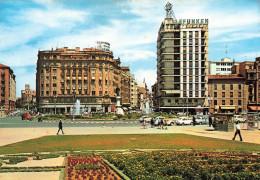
{"type": "Point", "coordinates": [148, 74]}
{"type": "Point", "coordinates": [135, 55]}
{"type": "Point", "coordinates": [248, 56]}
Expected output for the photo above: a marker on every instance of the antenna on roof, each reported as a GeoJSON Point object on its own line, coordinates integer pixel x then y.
{"type": "Point", "coordinates": [226, 51]}
{"type": "Point", "coordinates": [169, 11]}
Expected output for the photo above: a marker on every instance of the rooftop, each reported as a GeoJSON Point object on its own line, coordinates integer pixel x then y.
{"type": "Point", "coordinates": [230, 76]}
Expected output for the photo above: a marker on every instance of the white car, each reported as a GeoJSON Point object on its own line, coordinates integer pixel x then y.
{"type": "Point", "coordinates": [147, 119]}
{"type": "Point", "coordinates": [184, 121]}
{"type": "Point", "coordinates": [170, 122]}
{"type": "Point", "coordinates": [201, 120]}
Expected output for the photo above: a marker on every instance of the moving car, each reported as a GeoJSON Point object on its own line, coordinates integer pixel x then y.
{"type": "Point", "coordinates": [184, 121]}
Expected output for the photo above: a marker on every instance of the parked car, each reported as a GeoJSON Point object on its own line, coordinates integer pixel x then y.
{"type": "Point", "coordinates": [147, 118]}
{"type": "Point", "coordinates": [181, 113]}
{"type": "Point", "coordinates": [201, 120]}
{"type": "Point", "coordinates": [184, 121]}
{"type": "Point", "coordinates": [170, 122]}
{"type": "Point", "coordinates": [239, 118]}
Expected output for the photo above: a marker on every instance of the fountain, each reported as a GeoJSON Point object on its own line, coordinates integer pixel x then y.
{"type": "Point", "coordinates": [77, 108]}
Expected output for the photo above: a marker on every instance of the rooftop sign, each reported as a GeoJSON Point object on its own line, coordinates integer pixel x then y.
{"type": "Point", "coordinates": [190, 21]}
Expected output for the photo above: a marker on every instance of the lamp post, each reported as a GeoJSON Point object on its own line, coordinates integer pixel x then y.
{"type": "Point", "coordinates": [209, 100]}
{"type": "Point", "coordinates": [187, 105]}
{"type": "Point", "coordinates": [55, 100]}
{"type": "Point", "coordinates": [74, 96]}
{"type": "Point", "coordinates": [183, 104]}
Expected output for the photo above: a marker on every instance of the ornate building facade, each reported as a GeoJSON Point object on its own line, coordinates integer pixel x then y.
{"type": "Point", "coordinates": [89, 76]}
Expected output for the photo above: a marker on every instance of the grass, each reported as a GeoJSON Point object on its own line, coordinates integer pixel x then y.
{"type": "Point", "coordinates": [104, 142]}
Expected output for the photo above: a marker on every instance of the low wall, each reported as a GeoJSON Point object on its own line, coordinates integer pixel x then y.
{"type": "Point", "coordinates": [224, 127]}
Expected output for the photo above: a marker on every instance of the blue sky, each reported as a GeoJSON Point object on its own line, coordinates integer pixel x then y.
{"type": "Point", "coordinates": [130, 26]}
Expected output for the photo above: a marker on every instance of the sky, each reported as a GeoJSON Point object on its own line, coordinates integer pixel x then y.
{"type": "Point", "coordinates": [130, 26]}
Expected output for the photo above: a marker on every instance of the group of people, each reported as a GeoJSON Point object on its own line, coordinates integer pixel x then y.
{"type": "Point", "coordinates": [161, 123]}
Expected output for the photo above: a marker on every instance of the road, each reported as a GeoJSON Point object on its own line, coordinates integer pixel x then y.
{"type": "Point", "coordinates": [17, 122]}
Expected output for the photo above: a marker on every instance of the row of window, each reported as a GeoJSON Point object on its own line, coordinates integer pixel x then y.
{"type": "Point", "coordinates": [223, 69]}
{"type": "Point", "coordinates": [231, 94]}
{"type": "Point", "coordinates": [231, 86]}
{"type": "Point", "coordinates": [93, 93]}
{"type": "Point", "coordinates": [231, 102]}
{"type": "Point", "coordinates": [224, 64]}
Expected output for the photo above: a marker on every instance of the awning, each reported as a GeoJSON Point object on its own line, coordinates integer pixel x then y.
{"type": "Point", "coordinates": [228, 107]}
{"type": "Point", "coordinates": [254, 108]}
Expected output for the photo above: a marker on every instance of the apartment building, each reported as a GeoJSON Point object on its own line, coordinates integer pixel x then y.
{"type": "Point", "coordinates": [182, 64]}
{"type": "Point", "coordinates": [227, 93]}
{"type": "Point", "coordinates": [133, 93]}
{"type": "Point", "coordinates": [89, 76]}
{"type": "Point", "coordinates": [222, 67]}
{"type": "Point", "coordinates": [8, 89]}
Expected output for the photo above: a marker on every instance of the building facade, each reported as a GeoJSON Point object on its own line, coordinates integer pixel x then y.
{"type": "Point", "coordinates": [182, 64]}
{"type": "Point", "coordinates": [222, 67]}
{"type": "Point", "coordinates": [227, 94]}
{"type": "Point", "coordinates": [8, 89]}
{"type": "Point", "coordinates": [28, 95]}
{"type": "Point", "coordinates": [133, 93]}
{"type": "Point", "coordinates": [89, 76]}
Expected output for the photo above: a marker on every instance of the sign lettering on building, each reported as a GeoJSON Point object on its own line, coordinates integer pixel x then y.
{"type": "Point", "coordinates": [190, 21]}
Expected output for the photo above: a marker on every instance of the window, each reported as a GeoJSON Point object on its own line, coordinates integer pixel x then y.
{"type": "Point", "coordinates": [223, 102]}
{"type": "Point", "coordinates": [223, 94]}
{"type": "Point", "coordinates": [239, 102]}
{"type": "Point", "coordinates": [215, 94]}
{"type": "Point", "coordinates": [231, 86]}
{"type": "Point", "coordinates": [100, 93]}
{"type": "Point", "coordinates": [239, 86]}
{"type": "Point", "coordinates": [47, 92]}
{"type": "Point", "coordinates": [54, 77]}
{"type": "Point", "coordinates": [223, 87]}
{"type": "Point", "coordinates": [93, 71]}
{"type": "Point", "coordinates": [54, 93]}
{"type": "Point", "coordinates": [231, 102]}
{"type": "Point", "coordinates": [231, 94]}
{"type": "Point", "coordinates": [54, 70]}
{"type": "Point", "coordinates": [93, 93]}
{"type": "Point", "coordinates": [215, 87]}
{"type": "Point", "coordinates": [47, 85]}
{"type": "Point", "coordinates": [239, 94]}
{"type": "Point", "coordinates": [54, 85]}
{"type": "Point", "coordinates": [169, 101]}
{"type": "Point", "coordinates": [215, 102]}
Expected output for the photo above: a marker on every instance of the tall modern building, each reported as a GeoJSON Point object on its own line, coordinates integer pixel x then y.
{"type": "Point", "coordinates": [90, 75]}
{"type": "Point", "coordinates": [182, 63]}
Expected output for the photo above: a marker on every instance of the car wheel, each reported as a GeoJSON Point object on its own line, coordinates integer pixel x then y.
{"type": "Point", "coordinates": [172, 123]}
{"type": "Point", "coordinates": [238, 121]}
{"type": "Point", "coordinates": [182, 123]}
{"type": "Point", "coordinates": [200, 123]}
{"type": "Point", "coordinates": [191, 123]}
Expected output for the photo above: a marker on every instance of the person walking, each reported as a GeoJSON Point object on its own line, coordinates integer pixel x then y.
{"type": "Point", "coordinates": [193, 121]}
{"type": "Point", "coordinates": [60, 128]}
{"type": "Point", "coordinates": [237, 132]}
{"type": "Point", "coordinates": [210, 121]}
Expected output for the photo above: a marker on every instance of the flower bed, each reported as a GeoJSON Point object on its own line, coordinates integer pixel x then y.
{"type": "Point", "coordinates": [187, 165]}
{"type": "Point", "coordinates": [89, 167]}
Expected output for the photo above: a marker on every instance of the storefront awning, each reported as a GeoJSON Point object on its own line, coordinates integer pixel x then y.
{"type": "Point", "coordinates": [254, 108]}
{"type": "Point", "coordinates": [228, 107]}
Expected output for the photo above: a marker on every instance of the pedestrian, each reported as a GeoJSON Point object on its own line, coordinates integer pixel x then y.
{"type": "Point", "coordinates": [166, 123]}
{"type": "Point", "coordinates": [144, 123]}
{"type": "Point", "coordinates": [60, 128]}
{"type": "Point", "coordinates": [210, 121]}
{"type": "Point", "coordinates": [152, 123]}
{"type": "Point", "coordinates": [193, 121]}
{"type": "Point", "coordinates": [161, 123]}
{"type": "Point", "coordinates": [237, 132]}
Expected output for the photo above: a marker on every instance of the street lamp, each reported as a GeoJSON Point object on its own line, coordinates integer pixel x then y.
{"type": "Point", "coordinates": [187, 105]}
{"type": "Point", "coordinates": [74, 97]}
{"type": "Point", "coordinates": [55, 100]}
{"type": "Point", "coordinates": [210, 99]}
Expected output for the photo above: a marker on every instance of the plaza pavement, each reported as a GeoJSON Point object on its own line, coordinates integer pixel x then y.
{"type": "Point", "coordinates": [13, 135]}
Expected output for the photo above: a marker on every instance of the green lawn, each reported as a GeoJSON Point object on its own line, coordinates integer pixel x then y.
{"type": "Point", "coordinates": [106, 142]}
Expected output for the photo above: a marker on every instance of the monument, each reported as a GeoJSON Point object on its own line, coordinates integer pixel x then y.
{"type": "Point", "coordinates": [119, 111]}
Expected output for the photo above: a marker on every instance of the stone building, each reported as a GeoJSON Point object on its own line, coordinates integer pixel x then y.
{"type": "Point", "coordinates": [182, 63]}
{"type": "Point", "coordinates": [90, 75]}
{"type": "Point", "coordinates": [227, 93]}
{"type": "Point", "coordinates": [133, 93]}
{"type": "Point", "coordinates": [8, 89]}
{"type": "Point", "coordinates": [28, 95]}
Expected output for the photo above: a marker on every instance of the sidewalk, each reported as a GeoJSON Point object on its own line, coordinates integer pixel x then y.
{"type": "Point", "coordinates": [13, 135]}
